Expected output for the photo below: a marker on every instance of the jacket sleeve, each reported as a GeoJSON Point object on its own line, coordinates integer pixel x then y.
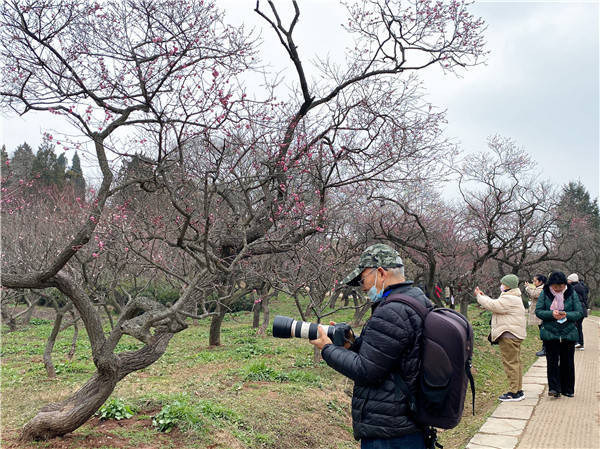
{"type": "Point", "coordinates": [388, 334]}
{"type": "Point", "coordinates": [499, 306]}
{"type": "Point", "coordinates": [540, 312]}
{"type": "Point", "coordinates": [532, 291]}
{"type": "Point", "coordinates": [578, 312]}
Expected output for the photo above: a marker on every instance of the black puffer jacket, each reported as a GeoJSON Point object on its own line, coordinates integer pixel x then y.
{"type": "Point", "coordinates": [582, 292]}
{"type": "Point", "coordinates": [390, 342]}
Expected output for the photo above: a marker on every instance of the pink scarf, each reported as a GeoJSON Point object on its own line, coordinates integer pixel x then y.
{"type": "Point", "coordinates": [559, 300]}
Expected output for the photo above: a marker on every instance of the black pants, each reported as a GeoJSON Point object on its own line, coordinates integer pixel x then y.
{"type": "Point", "coordinates": [560, 356]}
{"type": "Point", "coordinates": [579, 324]}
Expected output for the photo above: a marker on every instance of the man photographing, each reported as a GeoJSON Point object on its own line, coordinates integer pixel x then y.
{"type": "Point", "coordinates": [389, 345]}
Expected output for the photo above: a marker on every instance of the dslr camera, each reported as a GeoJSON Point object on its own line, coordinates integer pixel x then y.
{"type": "Point", "coordinates": [285, 327]}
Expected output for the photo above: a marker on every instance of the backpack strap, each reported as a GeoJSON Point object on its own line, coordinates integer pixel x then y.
{"type": "Point", "coordinates": [471, 381]}
{"type": "Point", "coordinates": [413, 303]}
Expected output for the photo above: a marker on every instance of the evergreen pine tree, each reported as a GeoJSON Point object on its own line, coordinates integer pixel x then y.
{"type": "Point", "coordinates": [4, 168]}
{"type": "Point", "coordinates": [45, 167]}
{"type": "Point", "coordinates": [22, 162]}
{"type": "Point", "coordinates": [575, 201]}
{"type": "Point", "coordinates": [75, 175]}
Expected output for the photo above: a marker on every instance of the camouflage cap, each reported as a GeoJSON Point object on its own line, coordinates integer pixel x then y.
{"type": "Point", "coordinates": [378, 255]}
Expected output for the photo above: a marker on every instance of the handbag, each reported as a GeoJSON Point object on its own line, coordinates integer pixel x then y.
{"type": "Point", "coordinates": [493, 342]}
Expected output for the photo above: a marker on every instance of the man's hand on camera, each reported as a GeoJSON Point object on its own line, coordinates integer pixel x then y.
{"type": "Point", "coordinates": [322, 340]}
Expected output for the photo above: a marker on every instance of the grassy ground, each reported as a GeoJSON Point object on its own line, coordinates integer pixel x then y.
{"type": "Point", "coordinates": [251, 392]}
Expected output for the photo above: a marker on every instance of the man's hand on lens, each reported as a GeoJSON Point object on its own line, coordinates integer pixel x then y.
{"type": "Point", "coordinates": [322, 340]}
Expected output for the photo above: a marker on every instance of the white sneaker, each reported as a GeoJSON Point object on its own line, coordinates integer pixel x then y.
{"type": "Point", "coordinates": [577, 346]}
{"type": "Point", "coordinates": [580, 348]}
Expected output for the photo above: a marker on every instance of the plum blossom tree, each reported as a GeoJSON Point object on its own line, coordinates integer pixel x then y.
{"type": "Point", "coordinates": [243, 176]}
{"type": "Point", "coordinates": [102, 68]}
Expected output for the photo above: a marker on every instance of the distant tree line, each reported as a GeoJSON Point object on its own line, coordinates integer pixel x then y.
{"type": "Point", "coordinates": [41, 170]}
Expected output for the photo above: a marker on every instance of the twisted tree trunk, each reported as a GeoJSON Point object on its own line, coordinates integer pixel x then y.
{"type": "Point", "coordinates": [60, 418]}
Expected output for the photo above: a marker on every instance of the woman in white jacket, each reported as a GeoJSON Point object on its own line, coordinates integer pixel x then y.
{"type": "Point", "coordinates": [533, 291]}
{"type": "Point", "coordinates": [509, 329]}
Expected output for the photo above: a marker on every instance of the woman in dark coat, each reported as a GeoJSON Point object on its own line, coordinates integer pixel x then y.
{"type": "Point", "coordinates": [559, 308]}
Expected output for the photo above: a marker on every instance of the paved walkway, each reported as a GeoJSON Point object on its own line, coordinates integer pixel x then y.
{"type": "Point", "coordinates": [542, 422]}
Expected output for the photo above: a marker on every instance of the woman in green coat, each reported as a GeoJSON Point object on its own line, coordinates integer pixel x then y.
{"type": "Point", "coordinates": [559, 308]}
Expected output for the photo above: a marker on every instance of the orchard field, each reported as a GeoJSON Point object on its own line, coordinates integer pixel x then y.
{"type": "Point", "coordinates": [251, 392]}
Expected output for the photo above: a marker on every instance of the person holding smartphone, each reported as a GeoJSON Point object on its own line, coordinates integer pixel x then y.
{"type": "Point", "coordinates": [559, 308]}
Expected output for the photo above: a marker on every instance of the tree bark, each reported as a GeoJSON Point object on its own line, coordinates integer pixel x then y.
{"type": "Point", "coordinates": [214, 337]}
{"type": "Point", "coordinates": [256, 313]}
{"type": "Point", "coordinates": [50, 371]}
{"type": "Point", "coordinates": [61, 418]}
{"type": "Point", "coordinates": [74, 341]}
{"type": "Point", "coordinates": [265, 310]}
{"type": "Point", "coordinates": [29, 312]}
{"type": "Point", "coordinates": [464, 305]}
{"type": "Point", "coordinates": [299, 306]}
{"type": "Point", "coordinates": [58, 419]}
{"type": "Point", "coordinates": [359, 312]}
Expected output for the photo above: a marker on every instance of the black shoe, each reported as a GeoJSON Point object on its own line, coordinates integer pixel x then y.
{"type": "Point", "coordinates": [541, 353]}
{"type": "Point", "coordinates": [553, 393]}
{"type": "Point", "coordinates": [569, 395]}
{"type": "Point", "coordinates": [512, 397]}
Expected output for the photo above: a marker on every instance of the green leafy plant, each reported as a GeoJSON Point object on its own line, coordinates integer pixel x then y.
{"type": "Point", "coordinates": [177, 414]}
{"type": "Point", "coordinates": [115, 409]}
{"type": "Point", "coordinates": [39, 321]}
{"type": "Point", "coordinates": [259, 371]}
{"type": "Point", "coordinates": [71, 367]}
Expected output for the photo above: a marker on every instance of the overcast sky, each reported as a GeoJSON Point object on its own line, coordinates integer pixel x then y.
{"type": "Point", "coordinates": [540, 85]}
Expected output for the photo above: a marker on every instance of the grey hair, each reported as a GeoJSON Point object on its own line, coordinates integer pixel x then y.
{"type": "Point", "coordinates": [396, 271]}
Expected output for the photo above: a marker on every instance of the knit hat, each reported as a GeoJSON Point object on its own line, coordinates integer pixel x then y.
{"type": "Point", "coordinates": [510, 280]}
{"type": "Point", "coordinates": [557, 277]}
{"type": "Point", "coordinates": [573, 277]}
{"type": "Point", "coordinates": [378, 255]}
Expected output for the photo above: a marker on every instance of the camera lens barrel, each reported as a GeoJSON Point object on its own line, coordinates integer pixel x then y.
{"type": "Point", "coordinates": [285, 327]}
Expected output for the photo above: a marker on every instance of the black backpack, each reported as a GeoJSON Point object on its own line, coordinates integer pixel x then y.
{"type": "Point", "coordinates": [447, 350]}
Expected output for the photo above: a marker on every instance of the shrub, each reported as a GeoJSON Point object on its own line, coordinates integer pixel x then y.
{"type": "Point", "coordinates": [178, 414]}
{"type": "Point", "coordinates": [115, 409]}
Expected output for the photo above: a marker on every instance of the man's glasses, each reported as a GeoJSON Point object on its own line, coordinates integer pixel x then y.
{"type": "Point", "coordinates": [361, 281]}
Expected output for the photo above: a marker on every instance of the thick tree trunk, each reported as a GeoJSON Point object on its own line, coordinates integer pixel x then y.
{"type": "Point", "coordinates": [464, 304]}
{"type": "Point", "coordinates": [58, 419]}
{"type": "Point", "coordinates": [9, 320]}
{"type": "Point", "coordinates": [214, 337]}
{"type": "Point", "coordinates": [61, 418]}
{"type": "Point", "coordinates": [265, 310]}
{"type": "Point", "coordinates": [256, 314]}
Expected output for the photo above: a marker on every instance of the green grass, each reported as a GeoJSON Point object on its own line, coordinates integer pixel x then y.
{"type": "Point", "coordinates": [251, 392]}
